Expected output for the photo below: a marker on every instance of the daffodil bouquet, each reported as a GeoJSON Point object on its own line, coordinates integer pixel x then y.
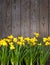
{"type": "Point", "coordinates": [28, 51]}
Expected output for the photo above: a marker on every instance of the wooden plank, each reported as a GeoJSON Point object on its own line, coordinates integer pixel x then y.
{"type": "Point", "coordinates": [25, 17]}
{"type": "Point", "coordinates": [22, 17]}
{"type": "Point", "coordinates": [34, 16]}
{"type": "Point", "coordinates": [6, 17]}
{"type": "Point", "coordinates": [44, 17]}
{"type": "Point", "coordinates": [49, 17]}
{"type": "Point", "coordinates": [0, 18]}
{"type": "Point", "coordinates": [15, 17]}
{"type": "Point", "coordinates": [49, 25]}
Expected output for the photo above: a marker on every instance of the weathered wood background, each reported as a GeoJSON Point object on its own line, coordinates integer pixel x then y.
{"type": "Point", "coordinates": [23, 17]}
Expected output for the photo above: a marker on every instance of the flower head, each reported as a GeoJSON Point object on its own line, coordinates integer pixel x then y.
{"type": "Point", "coordinates": [10, 36]}
{"type": "Point", "coordinates": [36, 34]}
{"type": "Point", "coordinates": [20, 43]}
{"type": "Point", "coordinates": [47, 43]}
{"type": "Point", "coordinates": [14, 39]}
{"type": "Point", "coordinates": [44, 39]}
{"type": "Point", "coordinates": [3, 43]}
{"type": "Point", "coordinates": [27, 39]}
{"type": "Point", "coordinates": [49, 38]}
{"type": "Point", "coordinates": [11, 43]}
{"type": "Point", "coordinates": [12, 47]}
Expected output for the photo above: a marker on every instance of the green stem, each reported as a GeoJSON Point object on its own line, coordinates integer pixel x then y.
{"type": "Point", "coordinates": [3, 64]}
{"type": "Point", "coordinates": [8, 63]}
{"type": "Point", "coordinates": [41, 64]}
{"type": "Point", "coordinates": [19, 63]}
{"type": "Point", "coordinates": [27, 63]}
{"type": "Point", "coordinates": [16, 63]}
{"type": "Point", "coordinates": [31, 62]}
{"type": "Point", "coordinates": [12, 63]}
{"type": "Point", "coordinates": [37, 63]}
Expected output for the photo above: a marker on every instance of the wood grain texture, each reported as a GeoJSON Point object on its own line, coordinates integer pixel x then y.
{"type": "Point", "coordinates": [25, 17]}
{"type": "Point", "coordinates": [48, 63]}
{"type": "Point", "coordinates": [0, 18]}
{"type": "Point", "coordinates": [49, 16]}
{"type": "Point", "coordinates": [6, 18]}
{"type": "Point", "coordinates": [44, 17]}
{"type": "Point", "coordinates": [15, 17]}
{"type": "Point", "coordinates": [34, 16]}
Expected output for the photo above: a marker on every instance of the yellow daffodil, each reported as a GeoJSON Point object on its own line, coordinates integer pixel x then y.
{"type": "Point", "coordinates": [7, 40]}
{"type": "Point", "coordinates": [12, 47]}
{"type": "Point", "coordinates": [10, 36]}
{"type": "Point", "coordinates": [4, 43]}
{"type": "Point", "coordinates": [11, 43]}
{"type": "Point", "coordinates": [44, 39]}
{"type": "Point", "coordinates": [20, 37]}
{"type": "Point", "coordinates": [20, 43]}
{"type": "Point", "coordinates": [22, 40]}
{"type": "Point", "coordinates": [36, 34]}
{"type": "Point", "coordinates": [33, 40]}
{"type": "Point", "coordinates": [15, 40]}
{"type": "Point", "coordinates": [47, 43]}
{"type": "Point", "coordinates": [49, 38]}
{"type": "Point", "coordinates": [27, 39]}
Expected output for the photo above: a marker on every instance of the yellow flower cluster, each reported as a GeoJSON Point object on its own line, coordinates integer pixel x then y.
{"type": "Point", "coordinates": [3, 43]}
{"type": "Point", "coordinates": [33, 40]}
{"type": "Point", "coordinates": [7, 41]}
{"type": "Point", "coordinates": [46, 40]}
{"type": "Point", "coordinates": [11, 41]}
{"type": "Point", "coordinates": [20, 41]}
